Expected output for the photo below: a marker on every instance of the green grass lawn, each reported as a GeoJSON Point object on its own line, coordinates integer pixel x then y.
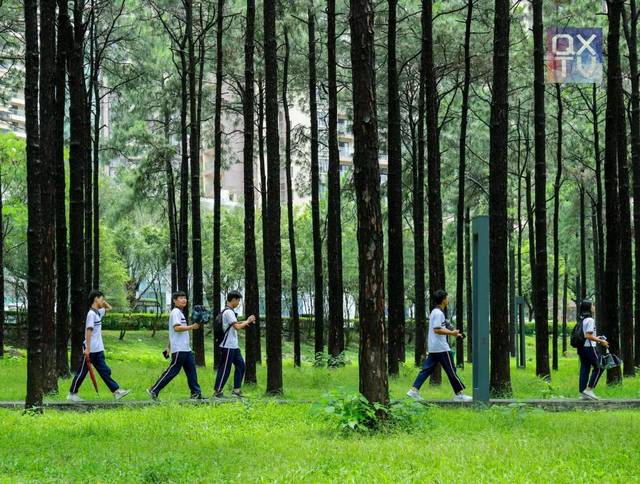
{"type": "Point", "coordinates": [137, 362]}
{"type": "Point", "coordinates": [263, 441]}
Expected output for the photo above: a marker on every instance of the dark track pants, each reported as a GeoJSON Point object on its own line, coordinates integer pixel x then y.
{"type": "Point", "coordinates": [100, 365]}
{"type": "Point", "coordinates": [589, 359]}
{"type": "Point", "coordinates": [430, 364]}
{"type": "Point", "coordinates": [179, 360]}
{"type": "Point", "coordinates": [229, 356]}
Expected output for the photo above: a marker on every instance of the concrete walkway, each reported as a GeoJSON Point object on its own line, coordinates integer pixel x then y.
{"type": "Point", "coordinates": [553, 404]}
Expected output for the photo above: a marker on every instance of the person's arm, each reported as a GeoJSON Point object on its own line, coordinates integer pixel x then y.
{"type": "Point", "coordinates": [446, 332]}
{"type": "Point", "coordinates": [106, 306]}
{"type": "Point", "coordinates": [87, 337]}
{"type": "Point", "coordinates": [600, 341]}
{"type": "Point", "coordinates": [179, 328]}
{"type": "Point", "coordinates": [246, 323]}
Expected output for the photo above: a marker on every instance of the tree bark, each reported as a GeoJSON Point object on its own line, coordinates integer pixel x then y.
{"type": "Point", "coordinates": [564, 311]}
{"type": "Point", "coordinates": [334, 223]}
{"type": "Point", "coordinates": [372, 359]}
{"type": "Point", "coordinates": [462, 172]}
{"type": "Point", "coordinates": [609, 314]}
{"type": "Point", "coordinates": [532, 234]}
{"type": "Point", "coordinates": [500, 380]}
{"type": "Point", "coordinates": [273, 258]}
{"type": "Point", "coordinates": [295, 316]}
{"type": "Point", "coordinates": [35, 357]}
{"type": "Point", "coordinates": [318, 277]}
{"type": "Point", "coordinates": [583, 246]}
{"type": "Point", "coordinates": [395, 261]}
{"type": "Point", "coordinates": [541, 294]}
{"type": "Point", "coordinates": [62, 269]}
{"type": "Point", "coordinates": [77, 162]}
{"type": "Point", "coordinates": [251, 291]}
{"type": "Point", "coordinates": [467, 229]}
{"type": "Point", "coordinates": [217, 172]}
{"type": "Point", "coordinates": [556, 238]}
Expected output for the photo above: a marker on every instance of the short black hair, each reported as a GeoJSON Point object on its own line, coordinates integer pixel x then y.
{"type": "Point", "coordinates": [178, 294]}
{"type": "Point", "coordinates": [585, 308]}
{"type": "Point", "coordinates": [93, 295]}
{"type": "Point", "coordinates": [233, 295]}
{"type": "Point", "coordinates": [439, 296]}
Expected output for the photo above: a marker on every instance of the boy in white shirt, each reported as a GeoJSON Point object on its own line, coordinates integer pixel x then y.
{"type": "Point", "coordinates": [230, 349]}
{"type": "Point", "coordinates": [439, 351]}
{"type": "Point", "coordinates": [180, 348]}
{"type": "Point", "coordinates": [589, 357]}
{"type": "Point", "coordinates": [93, 349]}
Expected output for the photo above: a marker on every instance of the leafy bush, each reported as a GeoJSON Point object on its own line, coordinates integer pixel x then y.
{"type": "Point", "coordinates": [354, 413]}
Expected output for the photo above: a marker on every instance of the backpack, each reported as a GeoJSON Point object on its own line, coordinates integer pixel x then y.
{"type": "Point", "coordinates": [218, 332]}
{"type": "Point", "coordinates": [577, 335]}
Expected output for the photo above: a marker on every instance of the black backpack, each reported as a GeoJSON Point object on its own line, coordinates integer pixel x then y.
{"type": "Point", "coordinates": [200, 315]}
{"type": "Point", "coordinates": [218, 331]}
{"type": "Point", "coordinates": [577, 335]}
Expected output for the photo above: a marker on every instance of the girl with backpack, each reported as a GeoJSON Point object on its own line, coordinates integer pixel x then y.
{"type": "Point", "coordinates": [590, 370]}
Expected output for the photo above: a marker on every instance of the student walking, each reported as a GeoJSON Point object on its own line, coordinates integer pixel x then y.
{"type": "Point", "coordinates": [590, 370]}
{"type": "Point", "coordinates": [180, 349]}
{"type": "Point", "coordinates": [93, 350]}
{"type": "Point", "coordinates": [439, 351]}
{"type": "Point", "coordinates": [230, 349]}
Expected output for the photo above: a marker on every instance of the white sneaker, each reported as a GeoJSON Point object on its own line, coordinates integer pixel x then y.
{"type": "Point", "coordinates": [461, 397]}
{"type": "Point", "coordinates": [73, 397]}
{"type": "Point", "coordinates": [414, 394]}
{"type": "Point", "coordinates": [589, 394]}
{"type": "Point", "coordinates": [118, 394]}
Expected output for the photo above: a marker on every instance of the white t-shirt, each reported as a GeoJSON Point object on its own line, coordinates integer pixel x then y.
{"type": "Point", "coordinates": [94, 321]}
{"type": "Point", "coordinates": [178, 340]}
{"type": "Point", "coordinates": [589, 326]}
{"type": "Point", "coordinates": [437, 342]}
{"type": "Point", "coordinates": [230, 339]}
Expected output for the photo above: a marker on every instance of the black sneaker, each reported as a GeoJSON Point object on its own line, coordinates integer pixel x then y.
{"type": "Point", "coordinates": [218, 395]}
{"type": "Point", "coordinates": [237, 394]}
{"type": "Point", "coordinates": [154, 396]}
{"type": "Point", "coordinates": [196, 396]}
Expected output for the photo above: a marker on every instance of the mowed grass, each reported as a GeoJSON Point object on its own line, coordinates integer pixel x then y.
{"type": "Point", "coordinates": [136, 363]}
{"type": "Point", "coordinates": [260, 440]}
{"type": "Point", "coordinates": [270, 442]}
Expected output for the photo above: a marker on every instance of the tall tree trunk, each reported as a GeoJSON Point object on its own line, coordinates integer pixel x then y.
{"type": "Point", "coordinates": [541, 295]}
{"type": "Point", "coordinates": [395, 261]}
{"type": "Point", "coordinates": [194, 157]}
{"type": "Point", "coordinates": [88, 174]}
{"type": "Point", "coordinates": [183, 221]}
{"type": "Point", "coordinates": [609, 314]}
{"type": "Point", "coordinates": [556, 238]}
{"type": "Point", "coordinates": [462, 171]}
{"type": "Point", "coordinates": [467, 229]}
{"type": "Point", "coordinates": [632, 39]}
{"type": "Point", "coordinates": [418, 220]}
{"type": "Point", "coordinates": [96, 165]}
{"type": "Point", "coordinates": [318, 277]}
{"type": "Point", "coordinates": [599, 197]}
{"type": "Point", "coordinates": [597, 274]}
{"type": "Point", "coordinates": [217, 170]}
{"type": "Point", "coordinates": [334, 224]}
{"type": "Point", "coordinates": [434, 201]}
{"type": "Point", "coordinates": [47, 105]}
{"type": "Point", "coordinates": [532, 233]}
{"type": "Point", "coordinates": [263, 196]}
{"type": "Point", "coordinates": [372, 359]}
{"type": "Point", "coordinates": [583, 246]}
{"type": "Point", "coordinates": [62, 270]}
{"type": "Point", "coordinates": [500, 381]}
{"type": "Point", "coordinates": [512, 300]}
{"type": "Point", "coordinates": [251, 291]}
{"type": "Point", "coordinates": [295, 317]}
{"type": "Point", "coordinates": [35, 360]}
{"type": "Point", "coordinates": [77, 162]}
{"type": "Point", "coordinates": [273, 270]}
{"type": "Point", "coordinates": [171, 201]}
{"type": "Point", "coordinates": [564, 311]}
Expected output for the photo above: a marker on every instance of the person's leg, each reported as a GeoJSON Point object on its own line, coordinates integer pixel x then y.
{"type": "Point", "coordinates": [192, 375]}
{"type": "Point", "coordinates": [79, 376]}
{"type": "Point", "coordinates": [447, 365]}
{"type": "Point", "coordinates": [597, 371]}
{"type": "Point", "coordinates": [168, 375]}
{"type": "Point", "coordinates": [99, 363]}
{"type": "Point", "coordinates": [238, 374]}
{"type": "Point", "coordinates": [585, 368]}
{"type": "Point", "coordinates": [427, 368]}
{"type": "Point", "coordinates": [224, 369]}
